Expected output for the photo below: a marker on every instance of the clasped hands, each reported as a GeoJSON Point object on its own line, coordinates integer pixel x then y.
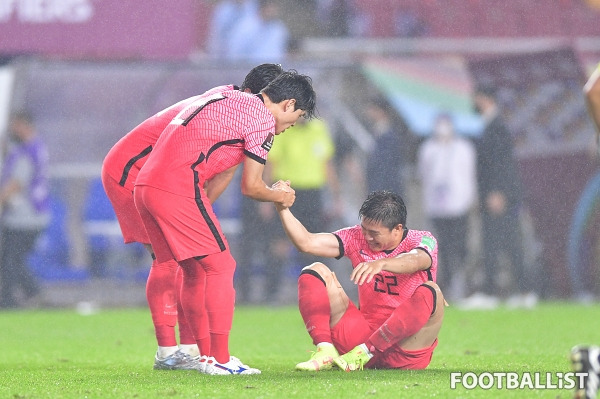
{"type": "Point", "coordinates": [289, 196]}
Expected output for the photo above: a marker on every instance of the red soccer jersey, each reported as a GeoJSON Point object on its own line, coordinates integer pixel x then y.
{"type": "Point", "coordinates": [125, 159]}
{"type": "Point", "coordinates": [210, 135]}
{"type": "Point", "coordinates": [386, 291]}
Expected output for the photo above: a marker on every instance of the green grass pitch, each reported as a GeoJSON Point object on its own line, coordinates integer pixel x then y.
{"type": "Point", "coordinates": [62, 354]}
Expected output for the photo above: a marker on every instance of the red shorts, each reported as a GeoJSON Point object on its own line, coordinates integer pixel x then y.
{"type": "Point", "coordinates": [127, 214]}
{"type": "Point", "coordinates": [353, 329]}
{"type": "Point", "coordinates": [179, 227]}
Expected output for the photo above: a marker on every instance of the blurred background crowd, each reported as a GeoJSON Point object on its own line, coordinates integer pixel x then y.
{"type": "Point", "coordinates": [408, 92]}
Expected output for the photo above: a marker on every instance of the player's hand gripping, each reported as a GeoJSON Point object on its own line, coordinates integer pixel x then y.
{"type": "Point", "coordinates": [289, 196]}
{"type": "Point", "coordinates": [365, 271]}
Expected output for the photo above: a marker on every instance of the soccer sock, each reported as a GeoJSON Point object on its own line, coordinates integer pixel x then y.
{"type": "Point", "coordinates": [192, 296]}
{"type": "Point", "coordinates": [165, 351]}
{"type": "Point", "coordinates": [191, 350]}
{"type": "Point", "coordinates": [324, 344]}
{"type": "Point", "coordinates": [160, 294]}
{"type": "Point", "coordinates": [406, 320]}
{"type": "Point", "coordinates": [220, 347]}
{"type": "Point", "coordinates": [366, 353]}
{"type": "Point", "coordinates": [220, 301]}
{"type": "Point", "coordinates": [313, 303]}
{"type": "Point", "coordinates": [185, 334]}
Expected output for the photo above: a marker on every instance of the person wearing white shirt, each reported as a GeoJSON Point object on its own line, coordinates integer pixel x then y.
{"type": "Point", "coordinates": [260, 36]}
{"type": "Point", "coordinates": [447, 168]}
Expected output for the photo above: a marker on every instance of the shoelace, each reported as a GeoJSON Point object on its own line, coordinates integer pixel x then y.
{"type": "Point", "coordinates": [361, 363]}
{"type": "Point", "coordinates": [357, 361]}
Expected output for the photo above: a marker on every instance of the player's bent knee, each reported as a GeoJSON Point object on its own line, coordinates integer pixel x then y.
{"type": "Point", "coordinates": [322, 272]}
{"type": "Point", "coordinates": [440, 301]}
{"type": "Point", "coordinates": [319, 268]}
{"type": "Point", "coordinates": [435, 287]}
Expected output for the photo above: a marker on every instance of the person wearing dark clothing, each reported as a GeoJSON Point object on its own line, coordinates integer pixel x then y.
{"type": "Point", "coordinates": [384, 162]}
{"type": "Point", "coordinates": [500, 196]}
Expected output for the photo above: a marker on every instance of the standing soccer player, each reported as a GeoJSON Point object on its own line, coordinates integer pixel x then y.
{"type": "Point", "coordinates": [212, 135]}
{"type": "Point", "coordinates": [119, 172]}
{"type": "Point", "coordinates": [401, 308]}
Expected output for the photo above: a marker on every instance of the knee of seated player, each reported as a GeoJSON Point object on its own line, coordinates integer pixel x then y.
{"type": "Point", "coordinates": [440, 301]}
{"type": "Point", "coordinates": [320, 269]}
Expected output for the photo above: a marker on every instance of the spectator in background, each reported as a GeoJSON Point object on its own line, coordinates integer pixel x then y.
{"type": "Point", "coordinates": [262, 249]}
{"type": "Point", "coordinates": [25, 209]}
{"type": "Point", "coordinates": [342, 18]}
{"type": "Point", "coordinates": [385, 161]}
{"type": "Point", "coordinates": [409, 23]}
{"type": "Point", "coordinates": [446, 165]}
{"type": "Point", "coordinates": [260, 36]}
{"type": "Point", "coordinates": [226, 14]}
{"type": "Point", "coordinates": [335, 17]}
{"type": "Point", "coordinates": [580, 241]}
{"type": "Point", "coordinates": [592, 99]}
{"type": "Point", "coordinates": [586, 358]}
{"type": "Point", "coordinates": [500, 201]}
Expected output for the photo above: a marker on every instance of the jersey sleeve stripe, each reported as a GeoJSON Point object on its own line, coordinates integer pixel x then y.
{"type": "Point", "coordinates": [341, 244]}
{"type": "Point", "coordinates": [255, 157]}
{"type": "Point", "coordinates": [197, 111]}
{"type": "Point", "coordinates": [222, 143]}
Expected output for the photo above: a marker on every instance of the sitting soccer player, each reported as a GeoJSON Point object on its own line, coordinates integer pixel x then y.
{"type": "Point", "coordinates": [401, 307]}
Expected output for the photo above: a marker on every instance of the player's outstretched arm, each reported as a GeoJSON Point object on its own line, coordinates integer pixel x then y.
{"type": "Point", "coordinates": [592, 97]}
{"type": "Point", "coordinates": [253, 185]}
{"type": "Point", "coordinates": [405, 263]}
{"type": "Point", "coordinates": [319, 244]}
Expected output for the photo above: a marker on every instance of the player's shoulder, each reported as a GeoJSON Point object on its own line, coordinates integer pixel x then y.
{"type": "Point", "coordinates": [240, 95]}
{"type": "Point", "coordinates": [414, 237]}
{"type": "Point", "coordinates": [348, 230]}
{"type": "Point", "coordinates": [243, 99]}
{"type": "Point", "coordinates": [219, 89]}
{"type": "Point", "coordinates": [421, 239]}
{"type": "Point", "coordinates": [250, 105]}
{"type": "Point", "coordinates": [418, 233]}
{"type": "Point", "coordinates": [350, 233]}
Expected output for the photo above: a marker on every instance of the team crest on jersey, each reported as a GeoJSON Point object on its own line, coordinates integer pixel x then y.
{"type": "Point", "coordinates": [268, 143]}
{"type": "Point", "coordinates": [428, 243]}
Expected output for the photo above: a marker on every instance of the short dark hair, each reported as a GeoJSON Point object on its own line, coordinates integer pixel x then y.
{"type": "Point", "coordinates": [384, 207]}
{"type": "Point", "coordinates": [260, 76]}
{"type": "Point", "coordinates": [22, 115]}
{"type": "Point", "coordinates": [486, 90]}
{"type": "Point", "coordinates": [382, 104]}
{"type": "Point", "coordinates": [291, 84]}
